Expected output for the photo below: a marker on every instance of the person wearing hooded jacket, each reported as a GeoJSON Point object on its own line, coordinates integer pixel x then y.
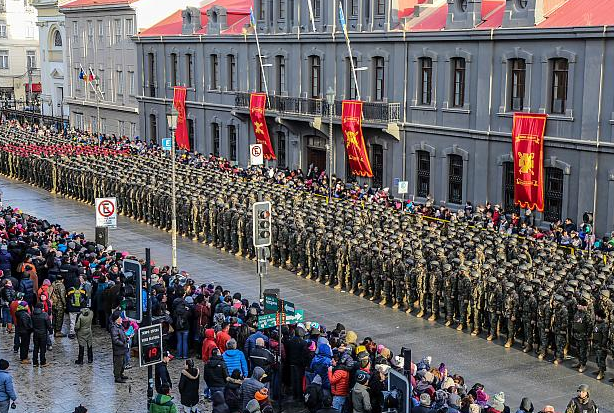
{"type": "Point", "coordinates": [188, 387]}
{"type": "Point", "coordinates": [6, 260]}
{"type": "Point", "coordinates": [314, 394]}
{"type": "Point", "coordinates": [526, 406]}
{"type": "Point", "coordinates": [215, 372]}
{"type": "Point", "coordinates": [250, 386]}
{"type": "Point", "coordinates": [231, 391]}
{"type": "Point", "coordinates": [208, 344]}
{"type": "Point", "coordinates": [219, 403]}
{"type": "Point", "coordinates": [261, 357]}
{"type": "Point", "coordinates": [320, 364]}
{"type": "Point", "coordinates": [85, 338]}
{"type": "Point", "coordinates": [41, 326]}
{"type": "Point", "coordinates": [361, 402]}
{"type": "Point", "coordinates": [235, 359]}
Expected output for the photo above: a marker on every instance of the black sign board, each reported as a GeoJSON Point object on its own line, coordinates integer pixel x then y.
{"type": "Point", "coordinates": [150, 345]}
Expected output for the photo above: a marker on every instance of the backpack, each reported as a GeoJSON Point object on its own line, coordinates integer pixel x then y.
{"type": "Point", "coordinates": [76, 297]}
{"type": "Point", "coordinates": [181, 322]}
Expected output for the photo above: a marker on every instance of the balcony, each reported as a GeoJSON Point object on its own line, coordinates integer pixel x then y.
{"type": "Point", "coordinates": [372, 112]}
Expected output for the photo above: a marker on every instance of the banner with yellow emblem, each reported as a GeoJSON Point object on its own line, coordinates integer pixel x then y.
{"type": "Point", "coordinates": [351, 125]}
{"type": "Point", "coordinates": [528, 148]}
{"type": "Point", "coordinates": [257, 105]}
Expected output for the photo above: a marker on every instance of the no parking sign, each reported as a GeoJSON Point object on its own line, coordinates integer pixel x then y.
{"type": "Point", "coordinates": [106, 212]}
{"type": "Point", "coordinates": [255, 154]}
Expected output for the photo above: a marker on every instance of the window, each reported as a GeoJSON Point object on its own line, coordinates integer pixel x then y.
{"type": "Point", "coordinates": [30, 59]}
{"type": "Point", "coordinates": [118, 30]}
{"type": "Point", "coordinates": [553, 208]}
{"type": "Point", "coordinates": [131, 83]}
{"type": "Point", "coordinates": [281, 149]}
{"type": "Point", "coordinates": [426, 84]}
{"type": "Point", "coordinates": [132, 130]}
{"type": "Point", "coordinates": [120, 82]}
{"type": "Point", "coordinates": [232, 143]}
{"type": "Point", "coordinates": [378, 165]}
{"type": "Point", "coordinates": [4, 59]}
{"type": "Point", "coordinates": [103, 125]}
{"type": "Point", "coordinates": [189, 67]}
{"type": "Point", "coordinates": [315, 71]}
{"type": "Point", "coordinates": [214, 72]}
{"type": "Point", "coordinates": [190, 124]}
{"type": "Point", "coordinates": [261, 9]}
{"type": "Point", "coordinates": [379, 79]}
{"type": "Point", "coordinates": [215, 139]}
{"type": "Point", "coordinates": [354, 8]}
{"type": "Point", "coordinates": [129, 27]}
{"type": "Point", "coordinates": [317, 8]}
{"type": "Point", "coordinates": [151, 74]}
{"type": "Point", "coordinates": [29, 31]}
{"type": "Point", "coordinates": [90, 31]}
{"type": "Point", "coordinates": [101, 80]}
{"type": "Point", "coordinates": [100, 31]}
{"type": "Point", "coordinates": [381, 7]}
{"type": "Point", "coordinates": [282, 9]}
{"type": "Point", "coordinates": [174, 69]}
{"type": "Point", "coordinates": [458, 97]}
{"type": "Point", "coordinates": [560, 69]}
{"type": "Point", "coordinates": [121, 127]}
{"type": "Point", "coordinates": [93, 124]}
{"type": "Point", "coordinates": [232, 72]}
{"type": "Point", "coordinates": [75, 32]}
{"type": "Point", "coordinates": [78, 121]}
{"type": "Point", "coordinates": [281, 74]}
{"type": "Point", "coordinates": [423, 173]}
{"type": "Point", "coordinates": [517, 81]}
{"type": "Point", "coordinates": [455, 179]}
{"type": "Point", "coordinates": [57, 38]}
{"type": "Point", "coordinates": [350, 84]}
{"type": "Point", "coordinates": [3, 33]}
{"type": "Point", "coordinates": [508, 188]}
{"type": "Point", "coordinates": [153, 128]}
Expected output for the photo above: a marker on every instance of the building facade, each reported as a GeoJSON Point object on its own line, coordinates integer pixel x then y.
{"type": "Point", "coordinates": [99, 40]}
{"type": "Point", "coordinates": [53, 69]}
{"type": "Point", "coordinates": [19, 56]}
{"type": "Point", "coordinates": [440, 79]}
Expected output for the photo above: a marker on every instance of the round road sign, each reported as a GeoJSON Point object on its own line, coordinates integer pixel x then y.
{"type": "Point", "coordinates": [106, 208]}
{"type": "Point", "coordinates": [256, 151]}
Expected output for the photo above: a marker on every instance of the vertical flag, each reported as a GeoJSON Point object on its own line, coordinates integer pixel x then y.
{"type": "Point", "coordinates": [252, 19]}
{"type": "Point", "coordinates": [181, 134]}
{"type": "Point", "coordinates": [311, 16]}
{"type": "Point", "coordinates": [351, 125]}
{"type": "Point", "coordinates": [342, 21]}
{"type": "Point", "coordinates": [257, 104]}
{"type": "Point", "coordinates": [528, 150]}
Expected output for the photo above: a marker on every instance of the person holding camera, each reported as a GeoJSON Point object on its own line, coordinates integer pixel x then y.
{"type": "Point", "coordinates": [7, 391]}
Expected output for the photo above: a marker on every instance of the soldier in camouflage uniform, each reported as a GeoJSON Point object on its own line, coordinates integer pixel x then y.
{"type": "Point", "coordinates": [544, 323]}
{"type": "Point", "coordinates": [421, 287]}
{"type": "Point", "coordinates": [582, 328]}
{"type": "Point", "coordinates": [449, 292]}
{"type": "Point", "coordinates": [528, 309]}
{"type": "Point", "coordinates": [560, 321]}
{"type": "Point", "coordinates": [601, 337]}
{"type": "Point", "coordinates": [464, 297]}
{"type": "Point", "coordinates": [494, 306]}
{"type": "Point", "coordinates": [510, 312]}
{"type": "Point", "coordinates": [398, 278]}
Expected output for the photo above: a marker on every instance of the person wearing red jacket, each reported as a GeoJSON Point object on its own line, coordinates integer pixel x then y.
{"type": "Point", "coordinates": [222, 337]}
{"type": "Point", "coordinates": [339, 377]}
{"type": "Point", "coordinates": [208, 344]}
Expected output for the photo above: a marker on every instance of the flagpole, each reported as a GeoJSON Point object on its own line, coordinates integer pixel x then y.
{"type": "Point", "coordinates": [347, 42]}
{"type": "Point", "coordinates": [253, 20]}
{"type": "Point", "coordinates": [311, 15]}
{"type": "Point", "coordinates": [96, 92]}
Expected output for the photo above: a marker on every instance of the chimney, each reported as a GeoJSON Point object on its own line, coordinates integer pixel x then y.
{"type": "Point", "coordinates": [191, 20]}
{"type": "Point", "coordinates": [217, 21]}
{"type": "Point", "coordinates": [464, 14]}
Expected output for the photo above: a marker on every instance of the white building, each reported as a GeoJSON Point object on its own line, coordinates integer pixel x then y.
{"type": "Point", "coordinates": [19, 57]}
{"type": "Point", "coordinates": [53, 73]}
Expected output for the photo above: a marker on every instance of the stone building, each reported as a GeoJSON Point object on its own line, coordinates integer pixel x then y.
{"type": "Point", "coordinates": [440, 79]}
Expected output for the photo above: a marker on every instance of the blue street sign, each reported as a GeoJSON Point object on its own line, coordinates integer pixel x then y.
{"type": "Point", "coordinates": [395, 181]}
{"type": "Point", "coordinates": [167, 144]}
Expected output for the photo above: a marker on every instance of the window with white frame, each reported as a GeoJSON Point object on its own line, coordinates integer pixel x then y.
{"type": "Point", "coordinates": [120, 82]}
{"type": "Point", "coordinates": [3, 32]}
{"type": "Point", "coordinates": [129, 27]}
{"type": "Point", "coordinates": [118, 31]}
{"type": "Point", "coordinates": [132, 130]}
{"type": "Point", "coordinates": [90, 31]}
{"type": "Point", "coordinates": [121, 127]}
{"type": "Point", "coordinates": [131, 83]}
{"type": "Point", "coordinates": [29, 31]}
{"type": "Point", "coordinates": [4, 59]}
{"type": "Point", "coordinates": [75, 32]}
{"type": "Point", "coordinates": [30, 59]}
{"type": "Point", "coordinates": [100, 24]}
{"type": "Point", "coordinates": [78, 121]}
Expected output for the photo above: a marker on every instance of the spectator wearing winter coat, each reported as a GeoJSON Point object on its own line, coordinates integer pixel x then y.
{"type": "Point", "coordinates": [41, 327]}
{"type": "Point", "coordinates": [314, 394]}
{"type": "Point", "coordinates": [425, 404]}
{"type": "Point", "coordinates": [320, 364]}
{"type": "Point", "coordinates": [250, 344]}
{"type": "Point", "coordinates": [85, 338]}
{"type": "Point", "coordinates": [361, 402]}
{"type": "Point", "coordinates": [26, 286]}
{"type": "Point", "coordinates": [339, 377]}
{"type": "Point", "coordinates": [219, 403]}
{"type": "Point", "coordinates": [296, 353]}
{"type": "Point", "coordinates": [208, 344]}
{"type": "Point", "coordinates": [377, 385]}
{"type": "Point", "coordinates": [327, 406]}
{"type": "Point", "coordinates": [188, 387]}
{"type": "Point", "coordinates": [261, 357]}
{"type": "Point", "coordinates": [76, 299]}
{"type": "Point", "coordinates": [231, 391]}
{"type": "Point", "coordinates": [24, 329]}
{"type": "Point", "coordinates": [250, 386]}
{"type": "Point", "coordinates": [526, 406]}
{"type": "Point", "coordinates": [6, 260]}
{"type": "Point", "coordinates": [163, 402]}
{"type": "Point", "coordinates": [120, 342]}
{"type": "Point", "coordinates": [7, 296]}
{"type": "Point", "coordinates": [262, 396]}
{"type": "Point", "coordinates": [215, 372]}
{"type": "Point", "coordinates": [182, 326]}
{"type": "Point", "coordinates": [235, 359]}
{"type": "Point", "coordinates": [252, 407]}
{"type": "Point", "coordinates": [162, 376]}
{"type": "Point", "coordinates": [7, 390]}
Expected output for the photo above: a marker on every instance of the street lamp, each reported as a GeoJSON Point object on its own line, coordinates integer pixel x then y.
{"type": "Point", "coordinates": [171, 120]}
{"type": "Point", "coordinates": [330, 98]}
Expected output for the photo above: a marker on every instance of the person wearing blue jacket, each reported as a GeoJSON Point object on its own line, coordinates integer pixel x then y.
{"type": "Point", "coordinates": [7, 390]}
{"type": "Point", "coordinates": [5, 260]}
{"type": "Point", "coordinates": [234, 359]}
{"type": "Point", "coordinates": [250, 343]}
{"type": "Point", "coordinates": [320, 364]}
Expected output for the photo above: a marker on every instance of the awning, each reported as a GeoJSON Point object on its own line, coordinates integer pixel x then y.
{"type": "Point", "coordinates": [36, 87]}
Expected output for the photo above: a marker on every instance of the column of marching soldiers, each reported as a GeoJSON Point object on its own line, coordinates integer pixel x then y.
{"type": "Point", "coordinates": [550, 299]}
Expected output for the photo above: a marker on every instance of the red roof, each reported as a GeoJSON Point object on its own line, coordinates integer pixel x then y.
{"type": "Point", "coordinates": [237, 15]}
{"type": "Point", "coordinates": [492, 16]}
{"type": "Point", "coordinates": [88, 3]}
{"type": "Point", "coordinates": [578, 13]}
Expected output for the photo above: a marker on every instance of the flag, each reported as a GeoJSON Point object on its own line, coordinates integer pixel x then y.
{"type": "Point", "coordinates": [342, 21]}
{"type": "Point", "coordinates": [528, 150]}
{"type": "Point", "coordinates": [257, 104]}
{"type": "Point", "coordinates": [311, 16]}
{"type": "Point", "coordinates": [252, 19]}
{"type": "Point", "coordinates": [82, 75]}
{"type": "Point", "coordinates": [181, 134]}
{"type": "Point", "coordinates": [91, 76]}
{"type": "Point", "coordinates": [351, 126]}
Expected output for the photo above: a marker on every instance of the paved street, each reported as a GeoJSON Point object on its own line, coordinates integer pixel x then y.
{"type": "Point", "coordinates": [63, 385]}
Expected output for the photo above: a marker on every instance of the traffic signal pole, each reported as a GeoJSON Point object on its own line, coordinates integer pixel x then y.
{"type": "Point", "coordinates": [148, 321]}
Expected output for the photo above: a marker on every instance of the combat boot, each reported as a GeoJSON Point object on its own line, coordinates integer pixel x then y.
{"type": "Point", "coordinates": [80, 356]}
{"type": "Point", "coordinates": [475, 332]}
{"type": "Point", "coordinates": [395, 306]}
{"type": "Point", "coordinates": [383, 301]}
{"type": "Point", "coordinates": [448, 323]}
{"type": "Point", "coordinates": [362, 293]}
{"type": "Point", "coordinates": [527, 348]}
{"type": "Point", "coordinates": [338, 286]}
{"type": "Point", "coordinates": [409, 310]}
{"type": "Point", "coordinates": [460, 327]}
{"type": "Point", "coordinates": [541, 356]}
{"type": "Point", "coordinates": [352, 291]}
{"type": "Point", "coordinates": [556, 362]}
{"type": "Point", "coordinates": [327, 282]}
{"type": "Point", "coordinates": [509, 343]}
{"type": "Point", "coordinates": [90, 355]}
{"type": "Point", "coordinates": [420, 314]}
{"type": "Point", "coordinates": [489, 338]}
{"type": "Point", "coordinates": [600, 375]}
{"type": "Point", "coordinates": [576, 365]}
{"type": "Point", "coordinates": [433, 317]}
{"type": "Point", "coordinates": [582, 369]}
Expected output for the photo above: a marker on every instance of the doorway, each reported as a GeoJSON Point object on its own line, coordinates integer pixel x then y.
{"type": "Point", "coordinates": [316, 152]}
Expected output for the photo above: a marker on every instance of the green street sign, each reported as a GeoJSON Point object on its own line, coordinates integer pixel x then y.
{"type": "Point", "coordinates": [267, 321]}
{"type": "Point", "coordinates": [298, 317]}
{"type": "Point", "coordinates": [271, 304]}
{"type": "Point", "coordinates": [289, 308]}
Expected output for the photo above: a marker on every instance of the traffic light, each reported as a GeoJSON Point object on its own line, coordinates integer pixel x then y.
{"type": "Point", "coordinates": [133, 290]}
{"type": "Point", "coordinates": [587, 226]}
{"type": "Point", "coordinates": [262, 224]}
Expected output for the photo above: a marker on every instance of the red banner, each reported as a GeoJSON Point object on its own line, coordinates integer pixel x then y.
{"type": "Point", "coordinates": [351, 125]}
{"type": "Point", "coordinates": [181, 134]}
{"type": "Point", "coordinates": [257, 105]}
{"type": "Point", "coordinates": [528, 148]}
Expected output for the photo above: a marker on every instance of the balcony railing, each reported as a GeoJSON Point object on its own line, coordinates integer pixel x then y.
{"type": "Point", "coordinates": [373, 112]}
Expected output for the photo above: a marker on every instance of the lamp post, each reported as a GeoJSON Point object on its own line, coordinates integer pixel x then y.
{"type": "Point", "coordinates": [172, 125]}
{"type": "Point", "coordinates": [330, 98]}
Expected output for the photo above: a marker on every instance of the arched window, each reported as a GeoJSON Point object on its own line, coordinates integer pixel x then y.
{"type": "Point", "coordinates": [57, 39]}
